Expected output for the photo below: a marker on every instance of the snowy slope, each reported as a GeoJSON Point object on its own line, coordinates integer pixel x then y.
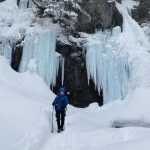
{"type": "Point", "coordinates": [24, 108]}
{"type": "Point", "coordinates": [91, 128]}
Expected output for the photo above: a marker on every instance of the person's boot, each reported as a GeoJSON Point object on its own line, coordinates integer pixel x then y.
{"type": "Point", "coordinates": [59, 130]}
{"type": "Point", "coordinates": [62, 129]}
{"type": "Point", "coordinates": [58, 125]}
{"type": "Point", "coordinates": [62, 124]}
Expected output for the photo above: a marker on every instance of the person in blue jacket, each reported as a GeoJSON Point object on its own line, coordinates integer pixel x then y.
{"type": "Point", "coordinates": [60, 103]}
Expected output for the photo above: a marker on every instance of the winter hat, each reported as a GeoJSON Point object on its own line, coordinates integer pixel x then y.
{"type": "Point", "coordinates": [62, 89]}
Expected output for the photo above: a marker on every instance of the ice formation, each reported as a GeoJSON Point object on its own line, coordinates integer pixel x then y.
{"type": "Point", "coordinates": [116, 61]}
{"type": "Point", "coordinates": [106, 65]}
{"type": "Point", "coordinates": [5, 48]}
{"type": "Point", "coordinates": [23, 4]}
{"type": "Point", "coordinates": [41, 48]}
{"type": "Point", "coordinates": [18, 24]}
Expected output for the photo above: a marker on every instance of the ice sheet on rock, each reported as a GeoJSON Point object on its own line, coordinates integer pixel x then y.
{"type": "Point", "coordinates": [41, 48]}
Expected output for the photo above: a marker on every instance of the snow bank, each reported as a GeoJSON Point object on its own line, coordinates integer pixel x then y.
{"type": "Point", "coordinates": [25, 103]}
{"type": "Point", "coordinates": [136, 106]}
{"type": "Point", "coordinates": [132, 145]}
{"type": "Point", "coordinates": [134, 109]}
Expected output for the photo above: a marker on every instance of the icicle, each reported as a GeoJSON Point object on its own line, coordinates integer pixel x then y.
{"type": "Point", "coordinates": [106, 66]}
{"type": "Point", "coordinates": [62, 66]}
{"type": "Point", "coordinates": [41, 48]}
{"type": "Point", "coordinates": [32, 68]}
{"type": "Point", "coordinates": [23, 4]}
{"type": "Point", "coordinates": [5, 48]}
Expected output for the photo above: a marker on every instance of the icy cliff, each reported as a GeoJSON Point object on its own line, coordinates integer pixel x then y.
{"type": "Point", "coordinates": [116, 60]}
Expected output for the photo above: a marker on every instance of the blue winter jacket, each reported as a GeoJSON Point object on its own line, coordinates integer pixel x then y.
{"type": "Point", "coordinates": [60, 102]}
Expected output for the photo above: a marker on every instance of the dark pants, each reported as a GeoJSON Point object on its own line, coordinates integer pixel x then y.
{"type": "Point", "coordinates": [60, 115]}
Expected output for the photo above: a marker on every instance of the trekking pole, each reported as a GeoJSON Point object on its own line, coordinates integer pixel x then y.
{"type": "Point", "coordinates": [65, 118]}
{"type": "Point", "coordinates": [52, 127]}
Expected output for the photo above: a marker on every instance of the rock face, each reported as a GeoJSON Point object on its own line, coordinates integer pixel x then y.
{"type": "Point", "coordinates": [141, 13]}
{"type": "Point", "coordinates": [85, 16]}
{"type": "Point", "coordinates": [75, 79]}
{"type": "Point", "coordinates": [16, 56]}
{"type": "Point", "coordinates": [98, 14]}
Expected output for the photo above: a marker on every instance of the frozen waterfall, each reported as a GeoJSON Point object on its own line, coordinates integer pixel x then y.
{"type": "Point", "coordinates": [107, 66]}
{"type": "Point", "coordinates": [41, 48]}
{"type": "Point", "coordinates": [119, 62]}
{"type": "Point", "coordinates": [5, 47]}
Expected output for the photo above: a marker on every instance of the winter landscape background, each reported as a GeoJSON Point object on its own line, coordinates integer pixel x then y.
{"type": "Point", "coordinates": [98, 50]}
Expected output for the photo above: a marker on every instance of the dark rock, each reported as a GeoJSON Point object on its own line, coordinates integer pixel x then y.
{"type": "Point", "coordinates": [18, 1]}
{"type": "Point", "coordinates": [16, 56]}
{"type": "Point", "coordinates": [98, 14]}
{"type": "Point", "coordinates": [2, 0]}
{"type": "Point", "coordinates": [119, 1]}
{"type": "Point", "coordinates": [141, 13]}
{"type": "Point", "coordinates": [75, 80]}
{"type": "Point", "coordinates": [117, 19]}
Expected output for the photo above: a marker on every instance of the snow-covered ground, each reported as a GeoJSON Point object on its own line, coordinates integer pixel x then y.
{"type": "Point", "coordinates": [24, 108]}
{"type": "Point", "coordinates": [91, 128]}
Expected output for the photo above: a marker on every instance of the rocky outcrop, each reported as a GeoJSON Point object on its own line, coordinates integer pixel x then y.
{"type": "Point", "coordinates": [85, 16]}
{"type": "Point", "coordinates": [141, 13]}
{"type": "Point", "coordinates": [98, 14]}
{"type": "Point", "coordinates": [16, 56]}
